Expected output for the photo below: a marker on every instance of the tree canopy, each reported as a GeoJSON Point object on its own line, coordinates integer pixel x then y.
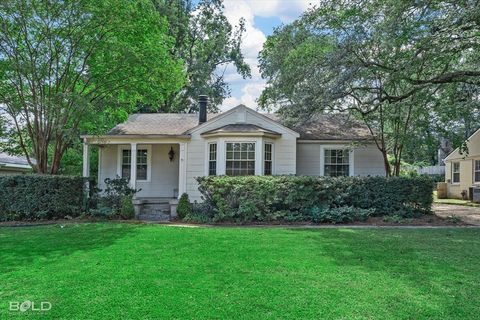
{"type": "Point", "coordinates": [66, 65]}
{"type": "Point", "coordinates": [389, 63]}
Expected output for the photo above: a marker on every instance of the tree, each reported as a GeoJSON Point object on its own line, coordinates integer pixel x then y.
{"type": "Point", "coordinates": [62, 62]}
{"type": "Point", "coordinates": [207, 43]}
{"type": "Point", "coordinates": [385, 62]}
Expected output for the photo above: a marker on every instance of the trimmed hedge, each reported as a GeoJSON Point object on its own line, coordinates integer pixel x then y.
{"type": "Point", "coordinates": [33, 197]}
{"type": "Point", "coordinates": [301, 198]}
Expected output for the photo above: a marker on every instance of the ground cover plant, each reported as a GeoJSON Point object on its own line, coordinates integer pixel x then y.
{"type": "Point", "coordinates": [130, 271]}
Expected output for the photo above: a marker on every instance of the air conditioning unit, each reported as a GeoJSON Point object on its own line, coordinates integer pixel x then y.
{"type": "Point", "coordinates": [476, 194]}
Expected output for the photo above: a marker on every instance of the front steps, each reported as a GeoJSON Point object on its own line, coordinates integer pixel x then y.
{"type": "Point", "coordinates": [155, 209]}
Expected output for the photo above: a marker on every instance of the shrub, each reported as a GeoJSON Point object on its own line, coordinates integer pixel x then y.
{"type": "Point", "coordinates": [184, 207]}
{"type": "Point", "coordinates": [200, 213]}
{"type": "Point", "coordinates": [33, 197]}
{"type": "Point", "coordinates": [116, 201]}
{"type": "Point", "coordinates": [300, 198]}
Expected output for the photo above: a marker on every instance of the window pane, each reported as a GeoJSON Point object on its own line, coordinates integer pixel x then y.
{"type": "Point", "coordinates": [337, 162]}
{"type": "Point", "coordinates": [126, 171]}
{"type": "Point", "coordinates": [477, 176]}
{"type": "Point", "coordinates": [142, 172]}
{"type": "Point", "coordinates": [240, 159]}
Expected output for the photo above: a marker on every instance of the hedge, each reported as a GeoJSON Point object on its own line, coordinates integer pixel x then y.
{"type": "Point", "coordinates": [33, 197]}
{"type": "Point", "coordinates": [300, 198]}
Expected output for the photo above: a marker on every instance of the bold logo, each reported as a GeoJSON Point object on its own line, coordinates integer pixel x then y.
{"type": "Point", "coordinates": [30, 305]}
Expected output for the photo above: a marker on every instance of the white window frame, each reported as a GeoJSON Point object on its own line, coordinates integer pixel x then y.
{"type": "Point", "coordinates": [255, 148]}
{"type": "Point", "coordinates": [475, 171]}
{"type": "Point", "coordinates": [149, 160]}
{"type": "Point", "coordinates": [208, 159]}
{"type": "Point", "coordinates": [273, 157]}
{"type": "Point", "coordinates": [453, 172]}
{"type": "Point", "coordinates": [351, 157]}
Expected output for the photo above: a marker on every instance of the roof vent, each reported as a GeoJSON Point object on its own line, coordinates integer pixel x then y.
{"type": "Point", "coordinates": [202, 105]}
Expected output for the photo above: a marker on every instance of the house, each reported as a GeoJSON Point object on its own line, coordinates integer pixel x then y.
{"type": "Point", "coordinates": [13, 164]}
{"type": "Point", "coordinates": [462, 168]}
{"type": "Point", "coordinates": [173, 149]}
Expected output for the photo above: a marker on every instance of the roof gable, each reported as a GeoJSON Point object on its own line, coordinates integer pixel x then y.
{"type": "Point", "coordinates": [473, 145]}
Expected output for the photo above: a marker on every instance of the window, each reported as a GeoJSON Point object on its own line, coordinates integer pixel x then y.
{"type": "Point", "coordinates": [126, 163]}
{"type": "Point", "coordinates": [212, 159]}
{"type": "Point", "coordinates": [267, 170]}
{"type": "Point", "coordinates": [142, 164]}
{"type": "Point", "coordinates": [337, 162]}
{"type": "Point", "coordinates": [477, 171]}
{"type": "Point", "coordinates": [240, 159]}
{"type": "Point", "coordinates": [456, 172]}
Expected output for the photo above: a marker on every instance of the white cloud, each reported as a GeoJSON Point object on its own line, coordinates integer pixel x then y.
{"type": "Point", "coordinates": [253, 39]}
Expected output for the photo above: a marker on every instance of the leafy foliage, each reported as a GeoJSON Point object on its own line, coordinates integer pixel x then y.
{"type": "Point", "coordinates": [291, 198]}
{"type": "Point", "coordinates": [392, 64]}
{"type": "Point", "coordinates": [207, 44]}
{"type": "Point", "coordinates": [33, 197]}
{"type": "Point", "coordinates": [69, 65]}
{"type": "Point", "coordinates": [116, 200]}
{"type": "Point", "coordinates": [184, 207]}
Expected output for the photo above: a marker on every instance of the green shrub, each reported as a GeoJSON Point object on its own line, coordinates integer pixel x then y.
{"type": "Point", "coordinates": [116, 201]}
{"type": "Point", "coordinates": [184, 207]}
{"type": "Point", "coordinates": [294, 198]}
{"type": "Point", "coordinates": [33, 197]}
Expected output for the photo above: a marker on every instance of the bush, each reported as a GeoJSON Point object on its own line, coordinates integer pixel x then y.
{"type": "Point", "coordinates": [184, 207]}
{"type": "Point", "coordinates": [33, 197]}
{"type": "Point", "coordinates": [299, 198]}
{"type": "Point", "coordinates": [116, 201]}
{"type": "Point", "coordinates": [200, 213]}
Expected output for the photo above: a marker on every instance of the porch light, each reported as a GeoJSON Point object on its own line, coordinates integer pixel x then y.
{"type": "Point", "coordinates": [171, 154]}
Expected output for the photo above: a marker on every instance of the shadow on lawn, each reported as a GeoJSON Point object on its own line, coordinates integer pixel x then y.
{"type": "Point", "coordinates": [430, 262]}
{"type": "Point", "coordinates": [21, 246]}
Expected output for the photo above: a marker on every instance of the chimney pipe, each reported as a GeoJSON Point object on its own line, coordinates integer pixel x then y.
{"type": "Point", "coordinates": [202, 105]}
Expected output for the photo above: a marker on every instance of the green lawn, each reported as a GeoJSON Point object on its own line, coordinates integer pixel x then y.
{"type": "Point", "coordinates": [110, 270]}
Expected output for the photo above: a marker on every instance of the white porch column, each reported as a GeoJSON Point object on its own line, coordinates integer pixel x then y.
{"type": "Point", "coordinates": [182, 169]}
{"type": "Point", "coordinates": [133, 168]}
{"type": "Point", "coordinates": [86, 159]}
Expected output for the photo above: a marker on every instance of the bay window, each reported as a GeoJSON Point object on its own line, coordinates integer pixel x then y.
{"type": "Point", "coordinates": [267, 169]}
{"type": "Point", "coordinates": [240, 159]}
{"type": "Point", "coordinates": [212, 159]}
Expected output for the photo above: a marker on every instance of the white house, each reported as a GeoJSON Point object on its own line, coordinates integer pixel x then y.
{"type": "Point", "coordinates": [173, 149]}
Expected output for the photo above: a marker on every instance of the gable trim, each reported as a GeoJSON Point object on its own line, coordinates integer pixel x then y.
{"type": "Point", "coordinates": [246, 109]}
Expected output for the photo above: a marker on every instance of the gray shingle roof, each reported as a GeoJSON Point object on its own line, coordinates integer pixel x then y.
{"type": "Point", "coordinates": [241, 128]}
{"type": "Point", "coordinates": [329, 127]}
{"type": "Point", "coordinates": [320, 127]}
{"type": "Point", "coordinates": [170, 124]}
{"type": "Point", "coordinates": [6, 158]}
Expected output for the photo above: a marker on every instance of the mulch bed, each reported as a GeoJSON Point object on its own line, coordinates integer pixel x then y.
{"type": "Point", "coordinates": [426, 220]}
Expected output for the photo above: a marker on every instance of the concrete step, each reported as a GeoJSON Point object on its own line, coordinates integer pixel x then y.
{"type": "Point", "coordinates": [154, 217]}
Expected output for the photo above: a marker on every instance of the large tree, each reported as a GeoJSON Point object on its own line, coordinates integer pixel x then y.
{"type": "Point", "coordinates": [386, 62]}
{"type": "Point", "coordinates": [64, 62]}
{"type": "Point", "coordinates": [207, 43]}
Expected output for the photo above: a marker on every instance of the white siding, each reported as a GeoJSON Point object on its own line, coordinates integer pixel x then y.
{"type": "Point", "coordinates": [367, 160]}
{"type": "Point", "coordinates": [284, 147]}
{"type": "Point", "coordinates": [164, 174]}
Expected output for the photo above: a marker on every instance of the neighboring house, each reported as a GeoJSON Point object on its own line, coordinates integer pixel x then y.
{"type": "Point", "coordinates": [173, 149]}
{"type": "Point", "coordinates": [462, 169]}
{"type": "Point", "coordinates": [13, 164]}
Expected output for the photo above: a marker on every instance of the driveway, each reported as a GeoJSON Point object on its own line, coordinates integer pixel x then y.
{"type": "Point", "coordinates": [468, 214]}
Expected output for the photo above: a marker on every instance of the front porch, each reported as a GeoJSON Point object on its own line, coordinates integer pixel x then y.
{"type": "Point", "coordinates": [154, 167]}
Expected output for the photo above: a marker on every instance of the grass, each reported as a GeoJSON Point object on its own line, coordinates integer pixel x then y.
{"type": "Point", "coordinates": [110, 270]}
{"type": "Point", "coordinates": [458, 202]}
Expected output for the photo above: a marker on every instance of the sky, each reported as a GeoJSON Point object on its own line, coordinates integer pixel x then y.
{"type": "Point", "coordinates": [261, 17]}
